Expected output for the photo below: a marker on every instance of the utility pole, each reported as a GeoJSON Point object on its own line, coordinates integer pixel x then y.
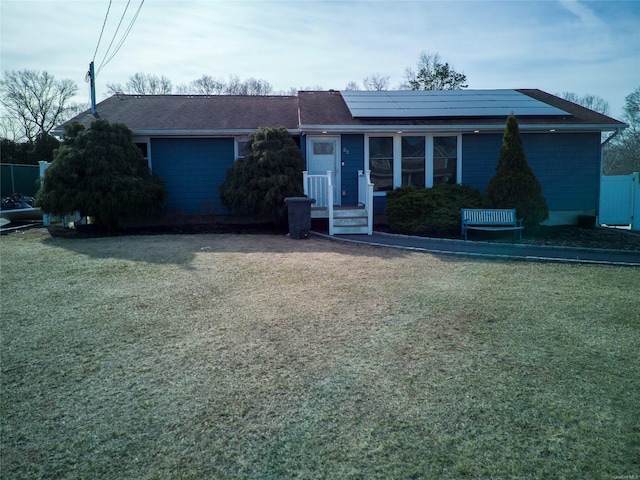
{"type": "Point", "coordinates": [92, 83]}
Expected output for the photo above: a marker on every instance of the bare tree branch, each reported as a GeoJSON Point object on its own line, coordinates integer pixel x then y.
{"type": "Point", "coordinates": [376, 82]}
{"type": "Point", "coordinates": [36, 101]}
{"type": "Point", "coordinates": [148, 84]}
{"type": "Point", "coordinates": [207, 85]}
{"type": "Point", "coordinates": [588, 100]}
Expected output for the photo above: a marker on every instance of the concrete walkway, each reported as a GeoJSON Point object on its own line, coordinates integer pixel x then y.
{"type": "Point", "coordinates": [494, 250]}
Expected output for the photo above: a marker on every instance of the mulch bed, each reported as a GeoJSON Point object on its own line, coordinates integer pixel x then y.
{"type": "Point", "coordinates": [564, 236]}
{"type": "Point", "coordinates": [575, 236]}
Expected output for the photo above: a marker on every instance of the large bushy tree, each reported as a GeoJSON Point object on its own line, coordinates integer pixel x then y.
{"type": "Point", "coordinates": [35, 102]}
{"type": "Point", "coordinates": [257, 184]}
{"type": "Point", "coordinates": [99, 172]}
{"type": "Point", "coordinates": [514, 184]}
{"type": "Point", "coordinates": [27, 153]}
{"type": "Point", "coordinates": [432, 73]}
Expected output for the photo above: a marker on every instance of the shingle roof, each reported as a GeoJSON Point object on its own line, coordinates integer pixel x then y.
{"type": "Point", "coordinates": [328, 108]}
{"type": "Point", "coordinates": [217, 114]}
{"type": "Point", "coordinates": [203, 113]}
{"type": "Point", "coordinates": [579, 113]}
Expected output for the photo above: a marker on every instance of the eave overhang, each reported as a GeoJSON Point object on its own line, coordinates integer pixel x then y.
{"type": "Point", "coordinates": [178, 133]}
{"type": "Point", "coordinates": [457, 128]}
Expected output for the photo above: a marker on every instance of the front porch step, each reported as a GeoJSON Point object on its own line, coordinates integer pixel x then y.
{"type": "Point", "coordinates": [350, 221]}
{"type": "Point", "coordinates": [346, 219]}
{"type": "Point", "coordinates": [346, 225]}
{"type": "Point", "coordinates": [319, 212]}
{"type": "Point", "coordinates": [338, 212]}
{"type": "Point", "coordinates": [339, 230]}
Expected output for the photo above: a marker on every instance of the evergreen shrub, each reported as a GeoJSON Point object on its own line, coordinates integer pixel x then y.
{"type": "Point", "coordinates": [257, 184]}
{"type": "Point", "coordinates": [429, 211]}
{"type": "Point", "coordinates": [99, 172]}
{"type": "Point", "coordinates": [514, 184]}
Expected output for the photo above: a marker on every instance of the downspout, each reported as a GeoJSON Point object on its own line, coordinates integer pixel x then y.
{"type": "Point", "coordinates": [611, 137]}
{"type": "Point", "coordinates": [608, 139]}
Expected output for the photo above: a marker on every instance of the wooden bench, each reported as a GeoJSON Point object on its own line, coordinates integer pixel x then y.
{"type": "Point", "coordinates": [490, 220]}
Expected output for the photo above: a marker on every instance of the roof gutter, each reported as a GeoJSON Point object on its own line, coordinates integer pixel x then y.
{"type": "Point", "coordinates": [471, 128]}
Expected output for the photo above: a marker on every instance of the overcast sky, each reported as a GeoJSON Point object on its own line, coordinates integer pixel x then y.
{"type": "Point", "coordinates": [554, 45]}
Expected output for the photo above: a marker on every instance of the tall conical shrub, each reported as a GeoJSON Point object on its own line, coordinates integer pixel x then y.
{"type": "Point", "coordinates": [515, 185]}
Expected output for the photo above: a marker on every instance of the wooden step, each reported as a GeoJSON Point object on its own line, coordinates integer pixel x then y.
{"type": "Point", "coordinates": [346, 219]}
{"type": "Point", "coordinates": [338, 211]}
{"type": "Point", "coordinates": [350, 221]}
{"type": "Point", "coordinates": [358, 230]}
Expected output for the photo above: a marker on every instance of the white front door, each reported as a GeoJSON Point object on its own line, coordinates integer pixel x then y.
{"type": "Point", "coordinates": [322, 155]}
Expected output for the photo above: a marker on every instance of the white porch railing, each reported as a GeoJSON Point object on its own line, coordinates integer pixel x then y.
{"type": "Point", "coordinates": [320, 187]}
{"type": "Point", "coordinates": [365, 196]}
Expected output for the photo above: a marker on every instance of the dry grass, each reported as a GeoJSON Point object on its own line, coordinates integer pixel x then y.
{"type": "Point", "coordinates": [230, 356]}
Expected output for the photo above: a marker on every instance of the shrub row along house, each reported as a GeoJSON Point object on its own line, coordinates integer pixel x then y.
{"type": "Point", "coordinates": [358, 145]}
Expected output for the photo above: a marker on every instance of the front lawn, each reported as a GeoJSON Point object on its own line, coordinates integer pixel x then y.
{"type": "Point", "coordinates": [256, 356]}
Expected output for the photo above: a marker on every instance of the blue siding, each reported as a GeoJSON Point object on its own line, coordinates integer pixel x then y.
{"type": "Point", "coordinates": [566, 164]}
{"type": "Point", "coordinates": [379, 205]}
{"type": "Point", "coordinates": [568, 167]}
{"type": "Point", "coordinates": [352, 158]}
{"type": "Point", "coordinates": [479, 159]}
{"type": "Point", "coordinates": [192, 170]}
{"type": "Point", "coordinates": [303, 149]}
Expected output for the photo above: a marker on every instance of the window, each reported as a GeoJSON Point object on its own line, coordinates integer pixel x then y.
{"type": "Point", "coordinates": [242, 147]}
{"type": "Point", "coordinates": [445, 160]}
{"type": "Point", "coordinates": [413, 150]}
{"type": "Point", "coordinates": [381, 163]}
{"type": "Point", "coordinates": [323, 148]}
{"type": "Point", "coordinates": [421, 160]}
{"type": "Point", "coordinates": [144, 149]}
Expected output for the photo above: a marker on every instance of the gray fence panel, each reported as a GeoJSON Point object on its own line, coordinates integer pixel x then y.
{"type": "Point", "coordinates": [24, 179]}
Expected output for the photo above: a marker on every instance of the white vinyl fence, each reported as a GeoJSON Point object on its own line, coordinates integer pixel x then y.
{"type": "Point", "coordinates": [620, 200]}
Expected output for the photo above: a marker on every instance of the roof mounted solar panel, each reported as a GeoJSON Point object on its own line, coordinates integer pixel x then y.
{"type": "Point", "coordinates": [445, 103]}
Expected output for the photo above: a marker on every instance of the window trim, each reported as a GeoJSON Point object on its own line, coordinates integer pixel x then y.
{"type": "Point", "coordinates": [366, 158]}
{"type": "Point", "coordinates": [236, 146]}
{"type": "Point", "coordinates": [397, 156]}
{"type": "Point", "coordinates": [424, 157]}
{"type": "Point", "coordinates": [146, 140]}
{"type": "Point", "coordinates": [458, 153]}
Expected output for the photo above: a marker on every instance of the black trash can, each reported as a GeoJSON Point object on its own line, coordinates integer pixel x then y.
{"type": "Point", "coordinates": [299, 216]}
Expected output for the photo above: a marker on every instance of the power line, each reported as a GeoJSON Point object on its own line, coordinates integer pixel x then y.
{"type": "Point", "coordinates": [114, 34]}
{"type": "Point", "coordinates": [124, 37]}
{"type": "Point", "coordinates": [102, 31]}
